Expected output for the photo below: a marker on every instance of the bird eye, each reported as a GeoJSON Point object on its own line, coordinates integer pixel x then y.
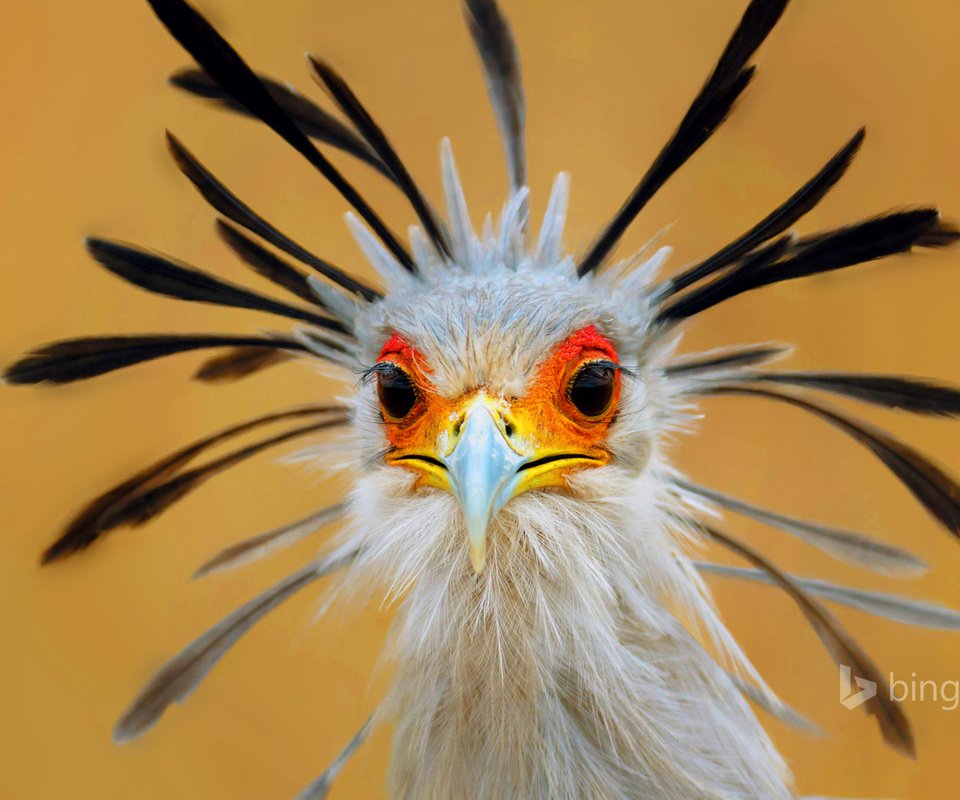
{"type": "Point", "coordinates": [396, 391]}
{"type": "Point", "coordinates": [591, 389]}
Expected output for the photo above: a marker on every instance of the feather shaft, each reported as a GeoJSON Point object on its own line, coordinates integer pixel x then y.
{"type": "Point", "coordinates": [320, 788]}
{"type": "Point", "coordinates": [849, 546]}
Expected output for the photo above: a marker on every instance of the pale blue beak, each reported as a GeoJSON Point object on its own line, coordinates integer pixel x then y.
{"type": "Point", "coordinates": [483, 475]}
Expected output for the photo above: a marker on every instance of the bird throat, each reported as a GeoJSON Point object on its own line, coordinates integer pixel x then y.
{"type": "Point", "coordinates": [535, 680]}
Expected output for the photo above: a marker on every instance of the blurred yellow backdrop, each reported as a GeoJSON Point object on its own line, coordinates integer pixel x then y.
{"type": "Point", "coordinates": [81, 152]}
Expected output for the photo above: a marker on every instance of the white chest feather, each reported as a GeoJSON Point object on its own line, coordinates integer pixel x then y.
{"type": "Point", "coordinates": [558, 673]}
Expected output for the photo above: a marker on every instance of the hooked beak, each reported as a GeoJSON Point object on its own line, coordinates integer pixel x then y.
{"type": "Point", "coordinates": [483, 473]}
{"type": "Point", "coordinates": [482, 456]}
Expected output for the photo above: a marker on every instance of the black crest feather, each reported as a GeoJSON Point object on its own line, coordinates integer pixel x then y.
{"type": "Point", "coordinates": [161, 275]}
{"type": "Point", "coordinates": [87, 526]}
{"type": "Point", "coordinates": [775, 223]}
{"type": "Point", "coordinates": [936, 490]}
{"type": "Point", "coordinates": [228, 204]}
{"type": "Point", "coordinates": [312, 120]}
{"type": "Point", "coordinates": [886, 235]}
{"type": "Point", "coordinates": [222, 63]}
{"type": "Point", "coordinates": [266, 264]}
{"type": "Point", "coordinates": [239, 362]}
{"type": "Point", "coordinates": [350, 104]}
{"type": "Point", "coordinates": [141, 506]}
{"type": "Point", "coordinates": [78, 359]}
{"type": "Point", "coordinates": [726, 358]}
{"type": "Point", "coordinates": [890, 391]}
{"type": "Point", "coordinates": [844, 649]}
{"type": "Point", "coordinates": [707, 112]}
{"type": "Point", "coordinates": [495, 43]}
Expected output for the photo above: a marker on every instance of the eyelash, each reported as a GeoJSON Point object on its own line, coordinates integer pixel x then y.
{"type": "Point", "coordinates": [367, 374]}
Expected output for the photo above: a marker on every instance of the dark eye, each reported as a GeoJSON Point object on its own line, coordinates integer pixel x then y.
{"type": "Point", "coordinates": [396, 391]}
{"type": "Point", "coordinates": [591, 389]}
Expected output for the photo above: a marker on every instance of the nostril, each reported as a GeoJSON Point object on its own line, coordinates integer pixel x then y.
{"type": "Point", "coordinates": [507, 429]}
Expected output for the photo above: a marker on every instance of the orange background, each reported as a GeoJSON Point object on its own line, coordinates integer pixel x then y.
{"type": "Point", "coordinates": [81, 152]}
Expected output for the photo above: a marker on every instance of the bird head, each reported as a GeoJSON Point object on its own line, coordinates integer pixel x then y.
{"type": "Point", "coordinates": [501, 375]}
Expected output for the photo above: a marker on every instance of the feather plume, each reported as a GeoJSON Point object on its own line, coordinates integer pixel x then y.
{"type": "Point", "coordinates": [257, 547]}
{"type": "Point", "coordinates": [265, 263]}
{"type": "Point", "coordinates": [461, 227]}
{"type": "Point", "coordinates": [139, 508]}
{"type": "Point", "coordinates": [893, 723]}
{"type": "Point", "coordinates": [780, 711]}
{"type": "Point", "coordinates": [550, 242]}
{"type": "Point", "coordinates": [350, 104]}
{"type": "Point", "coordinates": [240, 362]}
{"type": "Point", "coordinates": [78, 359]}
{"type": "Point", "coordinates": [320, 788]}
{"type": "Point", "coordinates": [161, 275]}
{"type": "Point", "coordinates": [886, 235]}
{"type": "Point", "coordinates": [936, 490]}
{"type": "Point", "coordinates": [726, 358]}
{"type": "Point", "coordinates": [339, 304]}
{"type": "Point", "coordinates": [92, 521]}
{"type": "Point", "coordinates": [707, 112]}
{"type": "Point", "coordinates": [228, 204]}
{"type": "Point", "coordinates": [854, 548]}
{"type": "Point", "coordinates": [501, 64]}
{"type": "Point", "coordinates": [775, 223]}
{"type": "Point", "coordinates": [181, 676]}
{"type": "Point", "coordinates": [326, 347]}
{"type": "Point", "coordinates": [310, 118]}
{"type": "Point", "coordinates": [225, 66]}
{"type": "Point", "coordinates": [703, 297]}
{"type": "Point", "coordinates": [890, 391]}
{"type": "Point", "coordinates": [905, 610]}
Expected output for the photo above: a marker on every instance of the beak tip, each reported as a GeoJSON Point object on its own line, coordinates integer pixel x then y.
{"type": "Point", "coordinates": [478, 555]}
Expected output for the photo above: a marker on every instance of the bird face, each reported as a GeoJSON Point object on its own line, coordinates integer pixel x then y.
{"type": "Point", "coordinates": [486, 447]}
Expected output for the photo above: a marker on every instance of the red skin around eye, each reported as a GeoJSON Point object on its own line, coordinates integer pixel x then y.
{"type": "Point", "coordinates": [588, 338]}
{"type": "Point", "coordinates": [397, 345]}
{"type": "Point", "coordinates": [548, 390]}
{"type": "Point", "coordinates": [397, 349]}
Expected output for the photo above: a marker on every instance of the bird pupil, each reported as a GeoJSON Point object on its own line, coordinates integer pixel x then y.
{"type": "Point", "coordinates": [396, 391]}
{"type": "Point", "coordinates": [591, 389]}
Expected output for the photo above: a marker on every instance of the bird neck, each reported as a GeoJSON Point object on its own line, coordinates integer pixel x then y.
{"type": "Point", "coordinates": [558, 674]}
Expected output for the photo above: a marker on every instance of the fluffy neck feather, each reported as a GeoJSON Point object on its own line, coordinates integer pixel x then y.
{"type": "Point", "coordinates": [558, 673]}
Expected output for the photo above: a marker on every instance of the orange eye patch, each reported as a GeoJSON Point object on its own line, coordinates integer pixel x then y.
{"type": "Point", "coordinates": [555, 377]}
{"type": "Point", "coordinates": [563, 416]}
